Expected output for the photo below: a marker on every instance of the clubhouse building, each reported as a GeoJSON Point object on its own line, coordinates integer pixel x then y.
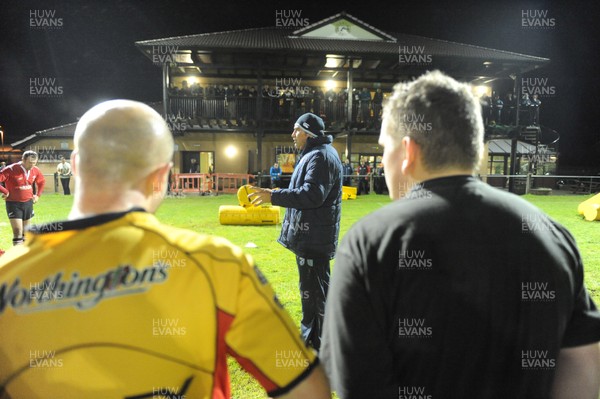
{"type": "Point", "coordinates": [231, 98]}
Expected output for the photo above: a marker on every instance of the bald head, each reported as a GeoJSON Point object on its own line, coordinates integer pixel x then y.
{"type": "Point", "coordinates": [121, 141]}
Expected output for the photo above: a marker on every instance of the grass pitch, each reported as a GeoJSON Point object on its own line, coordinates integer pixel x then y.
{"type": "Point", "coordinates": [200, 214]}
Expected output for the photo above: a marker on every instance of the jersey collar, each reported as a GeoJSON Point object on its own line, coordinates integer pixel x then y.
{"type": "Point", "coordinates": [80, 224]}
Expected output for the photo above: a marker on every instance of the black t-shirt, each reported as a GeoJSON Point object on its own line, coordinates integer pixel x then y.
{"type": "Point", "coordinates": [459, 290]}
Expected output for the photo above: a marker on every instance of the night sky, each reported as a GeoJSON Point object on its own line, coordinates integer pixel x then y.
{"type": "Point", "coordinates": [93, 58]}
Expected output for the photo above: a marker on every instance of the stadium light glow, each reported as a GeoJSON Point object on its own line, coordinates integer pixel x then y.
{"type": "Point", "coordinates": [481, 90]}
{"type": "Point", "coordinates": [230, 151]}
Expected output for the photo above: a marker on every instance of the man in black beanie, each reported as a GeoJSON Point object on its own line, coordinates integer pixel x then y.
{"type": "Point", "coordinates": [311, 224]}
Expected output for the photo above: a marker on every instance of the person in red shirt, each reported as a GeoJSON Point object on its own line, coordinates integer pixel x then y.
{"type": "Point", "coordinates": [20, 179]}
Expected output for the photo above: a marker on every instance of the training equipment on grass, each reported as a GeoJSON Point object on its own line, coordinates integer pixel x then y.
{"type": "Point", "coordinates": [251, 216]}
{"type": "Point", "coordinates": [590, 208]}
{"type": "Point", "coordinates": [348, 192]}
{"type": "Point", "coordinates": [247, 214]}
{"type": "Point", "coordinates": [242, 195]}
{"type": "Point", "coordinates": [592, 212]}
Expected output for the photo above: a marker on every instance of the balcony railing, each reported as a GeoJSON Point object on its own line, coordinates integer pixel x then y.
{"type": "Point", "coordinates": [273, 108]}
{"type": "Point", "coordinates": [365, 114]}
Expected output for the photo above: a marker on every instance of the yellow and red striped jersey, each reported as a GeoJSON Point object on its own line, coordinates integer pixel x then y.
{"type": "Point", "coordinates": [122, 306]}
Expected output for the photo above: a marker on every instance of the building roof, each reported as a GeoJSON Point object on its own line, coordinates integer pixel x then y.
{"type": "Point", "coordinates": [66, 131]}
{"type": "Point", "coordinates": [316, 38]}
{"type": "Point", "coordinates": [274, 39]}
{"type": "Point", "coordinates": [58, 131]}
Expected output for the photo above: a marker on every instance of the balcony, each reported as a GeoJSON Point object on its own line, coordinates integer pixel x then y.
{"type": "Point", "coordinates": [276, 112]}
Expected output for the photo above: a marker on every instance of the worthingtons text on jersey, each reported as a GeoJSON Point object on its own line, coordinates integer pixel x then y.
{"type": "Point", "coordinates": [56, 291]}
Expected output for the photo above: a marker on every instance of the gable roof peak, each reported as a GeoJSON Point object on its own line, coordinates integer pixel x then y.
{"type": "Point", "coordinates": [319, 25]}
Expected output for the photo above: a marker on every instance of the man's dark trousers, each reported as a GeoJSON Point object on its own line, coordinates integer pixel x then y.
{"type": "Point", "coordinates": [65, 185]}
{"type": "Point", "coordinates": [314, 284]}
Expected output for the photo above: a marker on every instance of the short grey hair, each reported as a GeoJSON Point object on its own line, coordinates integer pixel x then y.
{"type": "Point", "coordinates": [30, 154]}
{"type": "Point", "coordinates": [442, 115]}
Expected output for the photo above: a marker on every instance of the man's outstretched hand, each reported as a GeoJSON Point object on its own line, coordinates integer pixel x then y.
{"type": "Point", "coordinates": [260, 196]}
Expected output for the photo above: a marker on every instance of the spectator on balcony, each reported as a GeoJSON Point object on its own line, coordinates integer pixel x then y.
{"type": "Point", "coordinates": [269, 102]}
{"type": "Point", "coordinates": [220, 91]}
{"type": "Point", "coordinates": [330, 101]}
{"type": "Point", "coordinates": [197, 89]}
{"type": "Point", "coordinates": [377, 104]}
{"type": "Point", "coordinates": [342, 104]}
{"type": "Point", "coordinates": [266, 91]}
{"type": "Point", "coordinates": [317, 100]}
{"type": "Point", "coordinates": [510, 104]}
{"type": "Point", "coordinates": [185, 89]}
{"type": "Point", "coordinates": [365, 104]}
{"type": "Point", "coordinates": [287, 103]}
{"type": "Point", "coordinates": [486, 108]}
{"type": "Point", "coordinates": [251, 104]}
{"type": "Point", "coordinates": [535, 107]}
{"type": "Point", "coordinates": [210, 91]}
{"type": "Point", "coordinates": [220, 101]}
{"type": "Point", "coordinates": [231, 101]}
{"type": "Point", "coordinates": [173, 90]}
{"type": "Point", "coordinates": [245, 91]}
{"type": "Point", "coordinates": [526, 106]}
{"type": "Point", "coordinates": [234, 91]}
{"type": "Point", "coordinates": [497, 105]}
